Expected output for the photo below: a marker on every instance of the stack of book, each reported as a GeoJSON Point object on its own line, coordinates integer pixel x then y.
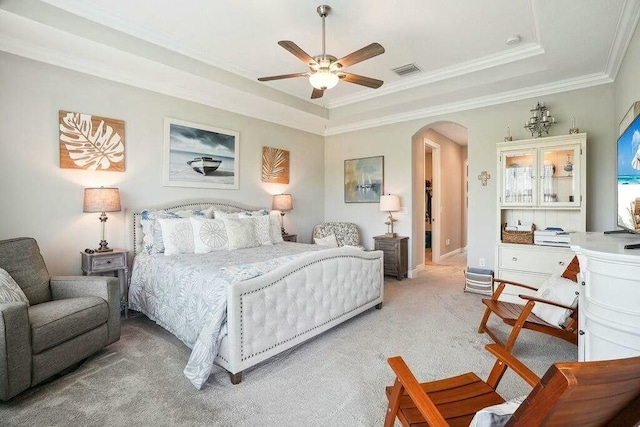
{"type": "Point", "coordinates": [551, 236]}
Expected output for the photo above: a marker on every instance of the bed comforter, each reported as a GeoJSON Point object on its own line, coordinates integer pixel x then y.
{"type": "Point", "coordinates": [187, 294]}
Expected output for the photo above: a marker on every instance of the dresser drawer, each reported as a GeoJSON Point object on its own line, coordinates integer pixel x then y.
{"type": "Point", "coordinates": [108, 262]}
{"type": "Point", "coordinates": [535, 259]}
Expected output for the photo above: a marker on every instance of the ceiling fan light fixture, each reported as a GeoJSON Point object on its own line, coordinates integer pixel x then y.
{"type": "Point", "coordinates": [323, 80]}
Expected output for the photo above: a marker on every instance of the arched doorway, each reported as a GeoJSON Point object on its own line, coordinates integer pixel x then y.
{"type": "Point", "coordinates": [443, 219]}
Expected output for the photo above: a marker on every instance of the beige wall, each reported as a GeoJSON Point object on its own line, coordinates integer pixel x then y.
{"type": "Point", "coordinates": [41, 200]}
{"type": "Point", "coordinates": [593, 109]}
{"type": "Point", "coordinates": [627, 84]}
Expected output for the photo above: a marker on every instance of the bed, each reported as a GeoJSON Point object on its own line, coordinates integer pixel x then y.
{"type": "Point", "coordinates": [237, 308]}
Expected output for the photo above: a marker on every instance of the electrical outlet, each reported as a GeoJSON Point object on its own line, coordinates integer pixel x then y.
{"type": "Point", "coordinates": [447, 242]}
{"type": "Point", "coordinates": [481, 262]}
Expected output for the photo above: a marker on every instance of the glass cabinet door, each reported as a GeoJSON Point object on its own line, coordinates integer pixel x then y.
{"type": "Point", "coordinates": [519, 186]}
{"type": "Point", "coordinates": [559, 176]}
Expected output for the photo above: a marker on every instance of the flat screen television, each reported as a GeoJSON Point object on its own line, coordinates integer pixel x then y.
{"type": "Point", "coordinates": [628, 187]}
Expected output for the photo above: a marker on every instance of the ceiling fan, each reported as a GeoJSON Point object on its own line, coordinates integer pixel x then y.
{"type": "Point", "coordinates": [326, 70]}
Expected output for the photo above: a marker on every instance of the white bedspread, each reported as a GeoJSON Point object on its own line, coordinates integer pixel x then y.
{"type": "Point", "coordinates": [187, 294]}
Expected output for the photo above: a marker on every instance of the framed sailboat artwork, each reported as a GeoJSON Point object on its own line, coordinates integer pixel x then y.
{"type": "Point", "coordinates": [364, 180]}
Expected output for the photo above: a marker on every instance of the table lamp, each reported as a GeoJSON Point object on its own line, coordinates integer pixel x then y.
{"type": "Point", "coordinates": [102, 200]}
{"type": "Point", "coordinates": [390, 203]}
{"type": "Point", "coordinates": [282, 202]}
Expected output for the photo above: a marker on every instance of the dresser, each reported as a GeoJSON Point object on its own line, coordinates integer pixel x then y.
{"type": "Point", "coordinates": [609, 309]}
{"type": "Point", "coordinates": [396, 259]}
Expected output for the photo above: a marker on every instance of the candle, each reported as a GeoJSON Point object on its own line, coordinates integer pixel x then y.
{"type": "Point", "coordinates": [508, 131]}
{"type": "Point", "coordinates": [573, 122]}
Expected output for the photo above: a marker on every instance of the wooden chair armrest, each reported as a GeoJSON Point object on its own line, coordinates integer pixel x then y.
{"type": "Point", "coordinates": [509, 282]}
{"type": "Point", "coordinates": [518, 367]}
{"type": "Point", "coordinates": [544, 301]}
{"type": "Point", "coordinates": [425, 405]}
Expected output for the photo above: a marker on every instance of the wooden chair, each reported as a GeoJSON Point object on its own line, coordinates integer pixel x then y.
{"type": "Point", "coordinates": [569, 394]}
{"type": "Point", "coordinates": [519, 316]}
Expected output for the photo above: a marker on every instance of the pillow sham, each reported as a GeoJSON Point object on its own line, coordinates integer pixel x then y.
{"type": "Point", "coordinates": [242, 214]}
{"type": "Point", "coordinates": [329, 240]}
{"type": "Point", "coordinates": [10, 291]}
{"type": "Point", "coordinates": [276, 231]}
{"type": "Point", "coordinates": [152, 240]}
{"type": "Point", "coordinates": [209, 235]}
{"type": "Point", "coordinates": [560, 290]}
{"type": "Point", "coordinates": [177, 235]}
{"type": "Point", "coordinates": [241, 233]}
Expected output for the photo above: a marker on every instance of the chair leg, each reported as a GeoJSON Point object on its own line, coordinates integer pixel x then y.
{"type": "Point", "coordinates": [394, 404]}
{"type": "Point", "coordinates": [483, 322]}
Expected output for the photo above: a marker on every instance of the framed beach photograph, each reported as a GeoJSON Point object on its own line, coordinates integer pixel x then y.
{"type": "Point", "coordinates": [363, 180]}
{"type": "Point", "coordinates": [201, 156]}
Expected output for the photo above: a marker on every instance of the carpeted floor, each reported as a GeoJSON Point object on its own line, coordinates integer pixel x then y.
{"type": "Point", "coordinates": [336, 379]}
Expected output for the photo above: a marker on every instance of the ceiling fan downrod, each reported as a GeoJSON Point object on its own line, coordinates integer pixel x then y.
{"type": "Point", "coordinates": [323, 10]}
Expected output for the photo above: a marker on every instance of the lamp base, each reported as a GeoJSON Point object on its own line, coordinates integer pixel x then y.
{"type": "Point", "coordinates": [104, 247]}
{"type": "Point", "coordinates": [390, 235]}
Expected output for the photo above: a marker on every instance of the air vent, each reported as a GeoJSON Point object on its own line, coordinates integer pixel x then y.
{"type": "Point", "coordinates": [405, 70]}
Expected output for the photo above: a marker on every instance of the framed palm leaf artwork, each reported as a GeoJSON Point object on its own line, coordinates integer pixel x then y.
{"type": "Point", "coordinates": [91, 142]}
{"type": "Point", "coordinates": [275, 165]}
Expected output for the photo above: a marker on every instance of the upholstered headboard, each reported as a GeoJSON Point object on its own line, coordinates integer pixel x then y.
{"type": "Point", "coordinates": [134, 241]}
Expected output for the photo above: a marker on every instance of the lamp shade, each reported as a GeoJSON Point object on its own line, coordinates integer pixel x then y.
{"type": "Point", "coordinates": [390, 203]}
{"type": "Point", "coordinates": [101, 200]}
{"type": "Point", "coordinates": [282, 202]}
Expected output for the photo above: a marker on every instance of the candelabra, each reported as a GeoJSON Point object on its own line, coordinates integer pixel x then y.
{"type": "Point", "coordinates": [540, 121]}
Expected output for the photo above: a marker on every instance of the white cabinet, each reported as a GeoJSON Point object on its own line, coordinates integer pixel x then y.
{"type": "Point", "coordinates": [609, 302]}
{"type": "Point", "coordinates": [528, 264]}
{"type": "Point", "coordinates": [542, 181]}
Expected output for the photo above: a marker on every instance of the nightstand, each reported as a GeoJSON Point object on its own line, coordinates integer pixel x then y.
{"type": "Point", "coordinates": [290, 237]}
{"type": "Point", "coordinates": [104, 262]}
{"type": "Point", "coordinates": [396, 259]}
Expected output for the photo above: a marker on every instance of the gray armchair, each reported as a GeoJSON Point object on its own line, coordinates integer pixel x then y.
{"type": "Point", "coordinates": [68, 318]}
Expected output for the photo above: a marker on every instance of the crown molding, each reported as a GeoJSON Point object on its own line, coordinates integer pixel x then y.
{"type": "Point", "coordinates": [512, 55]}
{"type": "Point", "coordinates": [625, 28]}
{"type": "Point", "coordinates": [485, 101]}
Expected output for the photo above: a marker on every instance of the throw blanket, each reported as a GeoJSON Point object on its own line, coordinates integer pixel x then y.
{"type": "Point", "coordinates": [187, 294]}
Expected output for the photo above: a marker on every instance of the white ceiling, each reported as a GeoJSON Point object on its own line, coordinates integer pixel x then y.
{"type": "Point", "coordinates": [213, 51]}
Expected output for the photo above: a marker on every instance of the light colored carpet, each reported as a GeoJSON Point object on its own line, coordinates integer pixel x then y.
{"type": "Point", "coordinates": [335, 379]}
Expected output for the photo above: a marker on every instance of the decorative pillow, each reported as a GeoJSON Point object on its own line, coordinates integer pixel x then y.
{"type": "Point", "coordinates": [560, 290]}
{"type": "Point", "coordinates": [276, 231]}
{"type": "Point", "coordinates": [329, 240]}
{"type": "Point", "coordinates": [152, 240]}
{"type": "Point", "coordinates": [10, 291]}
{"type": "Point", "coordinates": [241, 232]}
{"type": "Point", "coordinates": [496, 415]}
{"type": "Point", "coordinates": [177, 235]}
{"type": "Point", "coordinates": [209, 235]}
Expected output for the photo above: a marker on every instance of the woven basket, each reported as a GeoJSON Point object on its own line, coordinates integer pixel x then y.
{"type": "Point", "coordinates": [523, 237]}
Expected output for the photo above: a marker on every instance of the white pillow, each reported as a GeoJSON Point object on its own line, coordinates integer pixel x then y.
{"type": "Point", "coordinates": [209, 235]}
{"type": "Point", "coordinates": [152, 240]}
{"type": "Point", "coordinates": [496, 415]}
{"type": "Point", "coordinates": [276, 231]}
{"type": "Point", "coordinates": [262, 228]}
{"type": "Point", "coordinates": [560, 290]}
{"type": "Point", "coordinates": [177, 235]}
{"type": "Point", "coordinates": [329, 240]}
{"type": "Point", "coordinates": [10, 291]}
{"type": "Point", "coordinates": [241, 233]}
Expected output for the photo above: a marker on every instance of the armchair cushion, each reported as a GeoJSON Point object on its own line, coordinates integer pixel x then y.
{"type": "Point", "coordinates": [346, 233]}
{"type": "Point", "coordinates": [9, 289]}
{"type": "Point", "coordinates": [55, 322]}
{"type": "Point", "coordinates": [21, 258]}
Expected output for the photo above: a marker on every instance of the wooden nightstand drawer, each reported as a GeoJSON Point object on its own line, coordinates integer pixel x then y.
{"type": "Point", "coordinates": [107, 262]}
{"type": "Point", "coordinates": [395, 255]}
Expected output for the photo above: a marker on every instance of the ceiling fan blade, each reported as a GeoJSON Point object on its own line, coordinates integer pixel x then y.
{"type": "Point", "coordinates": [299, 53]}
{"type": "Point", "coordinates": [282, 76]}
{"type": "Point", "coordinates": [361, 80]}
{"type": "Point", "coordinates": [374, 49]}
{"type": "Point", "coordinates": [317, 93]}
